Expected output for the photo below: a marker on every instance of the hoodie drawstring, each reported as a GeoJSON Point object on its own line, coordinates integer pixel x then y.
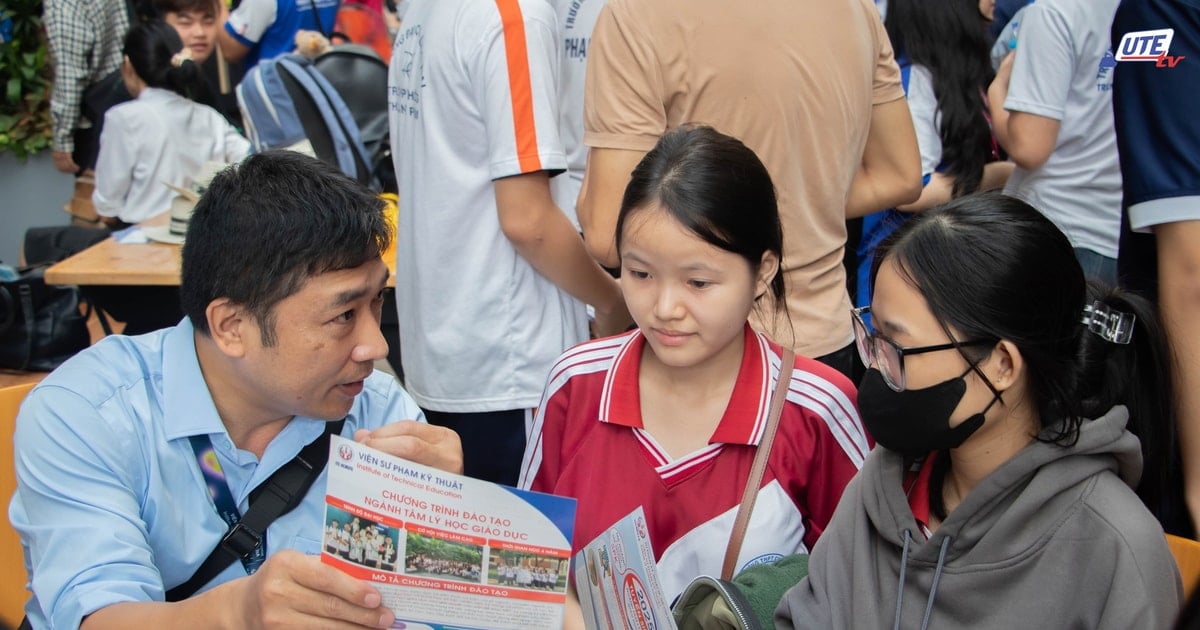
{"type": "Point", "coordinates": [937, 576]}
{"type": "Point", "coordinates": [900, 589]}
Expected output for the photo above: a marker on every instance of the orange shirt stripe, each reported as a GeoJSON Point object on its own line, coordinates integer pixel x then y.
{"type": "Point", "coordinates": [520, 85]}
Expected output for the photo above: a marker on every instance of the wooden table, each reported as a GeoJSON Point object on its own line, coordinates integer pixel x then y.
{"type": "Point", "coordinates": [111, 263]}
{"type": "Point", "coordinates": [146, 264]}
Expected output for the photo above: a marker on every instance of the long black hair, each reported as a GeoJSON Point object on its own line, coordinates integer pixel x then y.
{"type": "Point", "coordinates": [152, 47]}
{"type": "Point", "coordinates": [993, 267]}
{"type": "Point", "coordinates": [947, 37]}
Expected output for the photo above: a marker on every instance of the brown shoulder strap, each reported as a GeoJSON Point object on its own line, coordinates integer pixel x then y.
{"type": "Point", "coordinates": [742, 521]}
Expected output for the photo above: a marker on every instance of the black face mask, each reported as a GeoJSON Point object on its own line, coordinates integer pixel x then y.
{"type": "Point", "coordinates": [915, 422]}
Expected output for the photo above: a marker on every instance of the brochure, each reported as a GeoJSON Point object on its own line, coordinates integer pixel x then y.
{"type": "Point", "coordinates": [617, 580]}
{"type": "Point", "coordinates": [447, 552]}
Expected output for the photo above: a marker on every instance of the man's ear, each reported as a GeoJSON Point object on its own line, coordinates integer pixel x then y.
{"type": "Point", "coordinates": [768, 267]}
{"type": "Point", "coordinates": [229, 326]}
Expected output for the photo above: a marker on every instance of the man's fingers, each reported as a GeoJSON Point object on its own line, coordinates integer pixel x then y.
{"type": "Point", "coordinates": [443, 455]}
{"type": "Point", "coordinates": [332, 595]}
{"type": "Point", "coordinates": [426, 444]}
{"type": "Point", "coordinates": [309, 572]}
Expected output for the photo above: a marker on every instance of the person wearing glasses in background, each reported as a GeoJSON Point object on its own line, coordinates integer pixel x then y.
{"type": "Point", "coordinates": [999, 389]}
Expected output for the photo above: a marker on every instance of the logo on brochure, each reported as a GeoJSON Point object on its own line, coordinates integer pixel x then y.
{"type": "Point", "coordinates": [346, 452]}
{"type": "Point", "coordinates": [1154, 45]}
{"type": "Point", "coordinates": [637, 604]}
{"type": "Point", "coordinates": [639, 526]}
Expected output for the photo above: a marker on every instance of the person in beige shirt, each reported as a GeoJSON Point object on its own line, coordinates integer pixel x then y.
{"type": "Point", "coordinates": [812, 87]}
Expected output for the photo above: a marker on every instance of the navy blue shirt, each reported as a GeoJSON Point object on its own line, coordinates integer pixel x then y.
{"type": "Point", "coordinates": [1155, 90]}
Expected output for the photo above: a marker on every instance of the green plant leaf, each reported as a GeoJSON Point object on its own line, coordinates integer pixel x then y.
{"type": "Point", "coordinates": [25, 76]}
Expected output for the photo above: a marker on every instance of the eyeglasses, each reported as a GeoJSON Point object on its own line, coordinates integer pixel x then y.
{"type": "Point", "coordinates": [887, 355]}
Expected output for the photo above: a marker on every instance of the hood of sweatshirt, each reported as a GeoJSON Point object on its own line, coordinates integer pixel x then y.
{"type": "Point", "coordinates": [1003, 515]}
{"type": "Point", "coordinates": [1012, 510]}
{"type": "Point", "coordinates": [1053, 538]}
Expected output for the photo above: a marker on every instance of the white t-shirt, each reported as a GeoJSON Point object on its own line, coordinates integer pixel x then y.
{"type": "Point", "coordinates": [1064, 70]}
{"type": "Point", "coordinates": [576, 19]}
{"type": "Point", "coordinates": [480, 327]}
{"type": "Point", "coordinates": [927, 120]}
{"type": "Point", "coordinates": [158, 137]}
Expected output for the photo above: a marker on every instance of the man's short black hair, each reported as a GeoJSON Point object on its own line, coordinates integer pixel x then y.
{"type": "Point", "coordinates": [264, 227]}
{"type": "Point", "coordinates": [204, 7]}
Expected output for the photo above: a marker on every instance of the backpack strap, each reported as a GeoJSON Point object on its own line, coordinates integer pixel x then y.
{"type": "Point", "coordinates": [281, 493]}
{"type": "Point", "coordinates": [351, 154]}
{"type": "Point", "coordinates": [750, 494]}
{"type": "Point", "coordinates": [267, 108]}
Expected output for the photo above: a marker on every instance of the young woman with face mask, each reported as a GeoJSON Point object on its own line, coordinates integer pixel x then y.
{"type": "Point", "coordinates": [1001, 391]}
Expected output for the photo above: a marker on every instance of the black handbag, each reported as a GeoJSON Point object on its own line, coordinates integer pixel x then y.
{"type": "Point", "coordinates": [40, 325]}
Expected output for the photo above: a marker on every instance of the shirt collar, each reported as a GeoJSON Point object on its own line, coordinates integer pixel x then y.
{"type": "Point", "coordinates": [188, 408]}
{"type": "Point", "coordinates": [745, 416]}
{"type": "Point", "coordinates": [916, 485]}
{"type": "Point", "coordinates": [157, 94]}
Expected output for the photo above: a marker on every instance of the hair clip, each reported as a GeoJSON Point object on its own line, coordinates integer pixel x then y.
{"type": "Point", "coordinates": [1108, 324]}
{"type": "Point", "coordinates": [178, 58]}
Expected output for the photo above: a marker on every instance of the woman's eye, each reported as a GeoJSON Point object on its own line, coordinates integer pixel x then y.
{"type": "Point", "coordinates": [641, 275]}
{"type": "Point", "coordinates": [699, 284]}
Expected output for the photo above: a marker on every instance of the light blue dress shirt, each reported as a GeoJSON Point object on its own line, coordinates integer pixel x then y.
{"type": "Point", "coordinates": [110, 503]}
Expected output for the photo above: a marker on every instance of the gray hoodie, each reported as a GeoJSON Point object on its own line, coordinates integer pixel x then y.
{"type": "Point", "coordinates": [1053, 538]}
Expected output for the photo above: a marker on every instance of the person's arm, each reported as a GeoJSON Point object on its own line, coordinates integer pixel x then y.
{"type": "Point", "coordinates": [543, 236]}
{"type": "Point", "coordinates": [939, 190]}
{"type": "Point", "coordinates": [78, 473]}
{"type": "Point", "coordinates": [623, 116]}
{"type": "Point", "coordinates": [996, 174]}
{"type": "Point", "coordinates": [71, 41]}
{"type": "Point", "coordinates": [232, 48]}
{"type": "Point", "coordinates": [604, 183]}
{"type": "Point", "coordinates": [75, 477]}
{"type": "Point", "coordinates": [1028, 138]}
{"type": "Point", "coordinates": [819, 599]}
{"type": "Point", "coordinates": [1028, 97]}
{"type": "Point", "coordinates": [290, 590]}
{"type": "Point", "coordinates": [237, 147]}
{"type": "Point", "coordinates": [890, 172]}
{"type": "Point", "coordinates": [1179, 299]}
{"type": "Point", "coordinates": [244, 27]}
{"type": "Point", "coordinates": [115, 164]}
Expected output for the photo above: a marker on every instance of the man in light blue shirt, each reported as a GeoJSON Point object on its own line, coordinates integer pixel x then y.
{"type": "Point", "coordinates": [282, 289]}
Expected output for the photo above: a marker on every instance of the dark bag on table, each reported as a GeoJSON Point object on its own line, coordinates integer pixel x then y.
{"type": "Point", "coordinates": [40, 325]}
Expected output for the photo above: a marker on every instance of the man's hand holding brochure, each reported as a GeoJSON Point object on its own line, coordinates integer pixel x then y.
{"type": "Point", "coordinates": [443, 550]}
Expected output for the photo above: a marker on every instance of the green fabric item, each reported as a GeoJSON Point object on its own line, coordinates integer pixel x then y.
{"type": "Point", "coordinates": [709, 603]}
{"type": "Point", "coordinates": [765, 584]}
